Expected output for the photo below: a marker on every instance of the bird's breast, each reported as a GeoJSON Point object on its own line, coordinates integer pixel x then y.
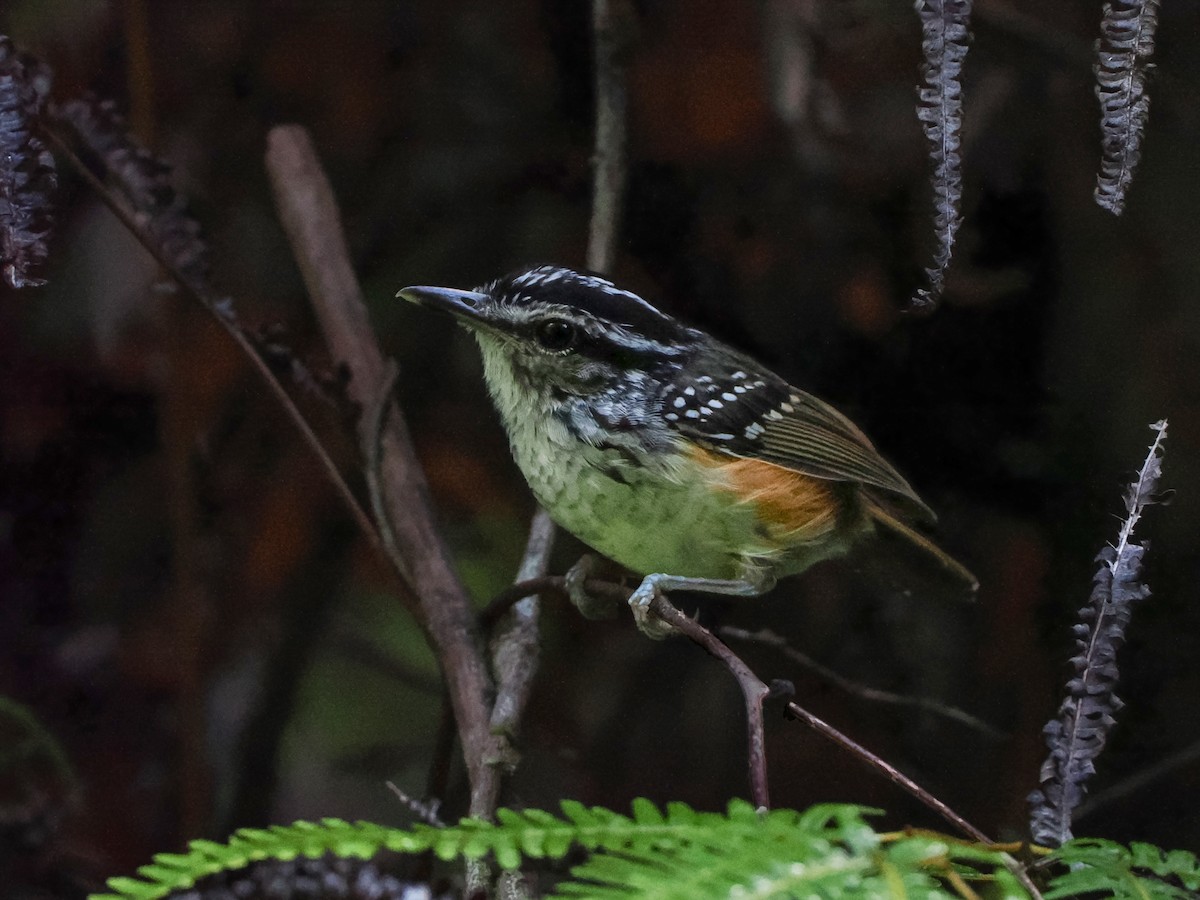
{"type": "Point", "coordinates": [681, 512]}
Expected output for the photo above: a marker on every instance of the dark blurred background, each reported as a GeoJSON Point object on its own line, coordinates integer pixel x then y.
{"type": "Point", "coordinates": [185, 607]}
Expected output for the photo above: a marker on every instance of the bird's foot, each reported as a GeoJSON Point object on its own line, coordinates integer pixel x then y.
{"type": "Point", "coordinates": [590, 606]}
{"type": "Point", "coordinates": [640, 601]}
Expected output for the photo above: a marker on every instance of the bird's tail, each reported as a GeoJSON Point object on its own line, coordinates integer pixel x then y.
{"type": "Point", "coordinates": [882, 517]}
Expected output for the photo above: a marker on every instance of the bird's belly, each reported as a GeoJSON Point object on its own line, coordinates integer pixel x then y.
{"type": "Point", "coordinates": [647, 521]}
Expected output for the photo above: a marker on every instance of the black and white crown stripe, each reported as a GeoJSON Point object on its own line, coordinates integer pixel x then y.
{"type": "Point", "coordinates": [622, 318]}
{"type": "Point", "coordinates": [550, 287]}
{"type": "Point", "coordinates": [548, 275]}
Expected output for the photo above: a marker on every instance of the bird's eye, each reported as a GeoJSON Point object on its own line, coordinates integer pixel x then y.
{"type": "Point", "coordinates": [556, 334]}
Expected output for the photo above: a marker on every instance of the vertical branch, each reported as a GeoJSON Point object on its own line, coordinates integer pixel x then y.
{"type": "Point", "coordinates": [754, 692]}
{"type": "Point", "coordinates": [514, 649]}
{"type": "Point", "coordinates": [612, 24]}
{"type": "Point", "coordinates": [515, 654]}
{"type": "Point", "coordinates": [515, 645]}
{"type": "Point", "coordinates": [313, 224]}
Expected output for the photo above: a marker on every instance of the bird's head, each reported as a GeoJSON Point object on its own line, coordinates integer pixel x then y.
{"type": "Point", "coordinates": [549, 334]}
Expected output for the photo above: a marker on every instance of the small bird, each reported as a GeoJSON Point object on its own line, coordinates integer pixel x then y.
{"type": "Point", "coordinates": [667, 451]}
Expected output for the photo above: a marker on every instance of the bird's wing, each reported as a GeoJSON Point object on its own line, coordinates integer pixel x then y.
{"type": "Point", "coordinates": [751, 413]}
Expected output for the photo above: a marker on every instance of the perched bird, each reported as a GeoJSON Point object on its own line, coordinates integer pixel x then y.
{"type": "Point", "coordinates": [666, 450]}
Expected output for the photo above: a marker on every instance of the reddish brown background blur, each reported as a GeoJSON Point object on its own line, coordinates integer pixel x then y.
{"type": "Point", "coordinates": [184, 604]}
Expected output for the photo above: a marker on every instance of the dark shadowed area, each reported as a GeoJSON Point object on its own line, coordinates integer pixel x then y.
{"type": "Point", "coordinates": [208, 642]}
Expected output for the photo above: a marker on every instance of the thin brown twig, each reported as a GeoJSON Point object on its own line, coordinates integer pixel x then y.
{"type": "Point", "coordinates": [555, 584]}
{"type": "Point", "coordinates": [754, 691]}
{"type": "Point", "coordinates": [377, 418]}
{"type": "Point", "coordinates": [768, 638]}
{"type": "Point", "coordinates": [890, 772]}
{"type": "Point", "coordinates": [902, 781]}
{"type": "Point", "coordinates": [515, 640]}
{"type": "Point", "coordinates": [515, 644]}
{"type": "Point", "coordinates": [210, 303]}
{"type": "Point", "coordinates": [310, 216]}
{"type": "Point", "coordinates": [717, 648]}
{"type": "Point", "coordinates": [425, 810]}
{"type": "Point", "coordinates": [612, 26]}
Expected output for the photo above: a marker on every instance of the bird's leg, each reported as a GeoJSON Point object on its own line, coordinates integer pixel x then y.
{"type": "Point", "coordinates": [755, 582]}
{"type": "Point", "coordinates": [590, 606]}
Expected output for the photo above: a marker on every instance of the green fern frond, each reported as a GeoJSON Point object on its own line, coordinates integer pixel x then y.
{"type": "Point", "coordinates": [179, 871]}
{"type": "Point", "coordinates": [828, 851]}
{"type": "Point", "coordinates": [681, 837]}
{"type": "Point", "coordinates": [1136, 872]}
{"type": "Point", "coordinates": [678, 852]}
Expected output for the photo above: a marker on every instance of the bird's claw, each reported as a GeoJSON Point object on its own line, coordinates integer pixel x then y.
{"type": "Point", "coordinates": [590, 606]}
{"type": "Point", "coordinates": [647, 620]}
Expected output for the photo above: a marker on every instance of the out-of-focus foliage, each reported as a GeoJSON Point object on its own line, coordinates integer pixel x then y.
{"type": "Point", "coordinates": [145, 180]}
{"type": "Point", "coordinates": [27, 172]}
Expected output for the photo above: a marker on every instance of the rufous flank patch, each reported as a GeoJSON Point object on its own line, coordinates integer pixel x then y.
{"type": "Point", "coordinates": [789, 502]}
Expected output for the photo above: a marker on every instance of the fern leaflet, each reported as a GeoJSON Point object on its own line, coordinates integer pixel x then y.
{"type": "Point", "coordinates": [1136, 872]}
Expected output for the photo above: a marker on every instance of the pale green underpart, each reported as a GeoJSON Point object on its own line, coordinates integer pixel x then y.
{"type": "Point", "coordinates": [655, 516]}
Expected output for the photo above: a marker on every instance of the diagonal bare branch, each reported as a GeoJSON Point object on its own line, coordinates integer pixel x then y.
{"type": "Point", "coordinates": [311, 219]}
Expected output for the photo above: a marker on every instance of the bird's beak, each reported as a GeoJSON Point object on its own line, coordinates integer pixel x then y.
{"type": "Point", "coordinates": [466, 306]}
